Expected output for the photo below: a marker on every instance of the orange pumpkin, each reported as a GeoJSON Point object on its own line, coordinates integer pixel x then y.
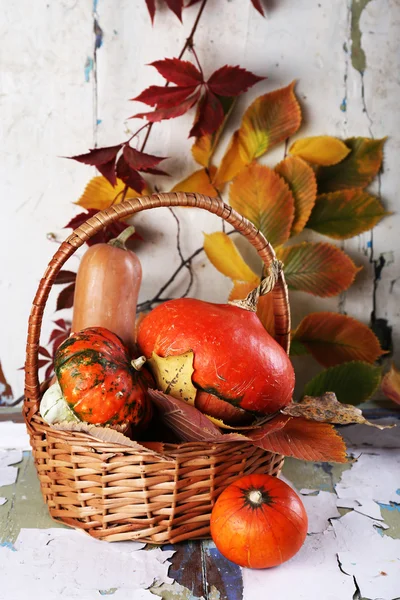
{"type": "Point", "coordinates": [98, 381]}
{"type": "Point", "coordinates": [258, 522]}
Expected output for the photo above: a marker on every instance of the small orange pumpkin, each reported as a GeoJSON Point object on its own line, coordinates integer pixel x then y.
{"type": "Point", "coordinates": [98, 381]}
{"type": "Point", "coordinates": [258, 522]}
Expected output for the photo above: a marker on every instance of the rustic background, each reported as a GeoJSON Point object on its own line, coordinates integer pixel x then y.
{"type": "Point", "coordinates": [60, 96]}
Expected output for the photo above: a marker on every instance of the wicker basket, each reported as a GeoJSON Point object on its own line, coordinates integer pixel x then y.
{"type": "Point", "coordinates": [119, 492]}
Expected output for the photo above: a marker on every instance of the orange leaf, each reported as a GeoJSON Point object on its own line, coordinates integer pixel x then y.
{"type": "Point", "coordinates": [346, 213]}
{"type": "Point", "coordinates": [260, 195]}
{"type": "Point", "coordinates": [231, 164]}
{"type": "Point", "coordinates": [224, 255]}
{"type": "Point", "coordinates": [303, 439]}
{"type": "Point", "coordinates": [320, 269]}
{"type": "Point", "coordinates": [333, 338]}
{"type": "Point", "coordinates": [358, 168]}
{"type": "Point", "coordinates": [269, 120]}
{"type": "Point", "coordinates": [199, 182]}
{"type": "Point", "coordinates": [391, 384]}
{"type": "Point", "coordinates": [204, 146]}
{"type": "Point", "coordinates": [320, 150]}
{"type": "Point", "coordinates": [301, 180]}
{"type": "Point", "coordinates": [265, 308]}
{"type": "Point", "coordinates": [100, 194]}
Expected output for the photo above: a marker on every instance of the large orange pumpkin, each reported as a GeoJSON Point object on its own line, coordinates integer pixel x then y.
{"type": "Point", "coordinates": [236, 361]}
{"type": "Point", "coordinates": [258, 522]}
{"type": "Point", "coordinates": [98, 381]}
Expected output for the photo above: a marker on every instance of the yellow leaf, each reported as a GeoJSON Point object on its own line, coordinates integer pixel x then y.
{"type": "Point", "coordinates": [260, 195]}
{"type": "Point", "coordinates": [391, 384]}
{"type": "Point", "coordinates": [301, 180]}
{"type": "Point", "coordinates": [320, 150]}
{"type": "Point", "coordinates": [225, 257]}
{"type": "Point", "coordinates": [199, 182]}
{"type": "Point", "coordinates": [271, 119]}
{"type": "Point", "coordinates": [231, 164]}
{"type": "Point", "coordinates": [173, 375]}
{"type": "Point", "coordinates": [100, 194]}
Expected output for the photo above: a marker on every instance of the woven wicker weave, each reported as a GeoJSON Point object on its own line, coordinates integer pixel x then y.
{"type": "Point", "coordinates": [118, 492]}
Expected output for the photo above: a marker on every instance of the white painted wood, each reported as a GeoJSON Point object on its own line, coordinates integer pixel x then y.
{"type": "Point", "coordinates": [48, 111]}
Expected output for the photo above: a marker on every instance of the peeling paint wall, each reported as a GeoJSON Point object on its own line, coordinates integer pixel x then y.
{"type": "Point", "coordinates": [69, 69]}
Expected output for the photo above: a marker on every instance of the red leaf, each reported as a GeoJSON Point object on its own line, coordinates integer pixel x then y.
{"type": "Point", "coordinates": [169, 113]}
{"type": "Point", "coordinates": [257, 6]}
{"type": "Point", "coordinates": [49, 371]}
{"type": "Point", "coordinates": [130, 176]}
{"type": "Point", "coordinates": [139, 161]}
{"type": "Point", "coordinates": [65, 277]}
{"type": "Point", "coordinates": [104, 235]}
{"type": "Point", "coordinates": [42, 363]}
{"type": "Point", "coordinates": [108, 171]}
{"type": "Point", "coordinates": [44, 352]}
{"type": "Point", "coordinates": [192, 3]}
{"type": "Point", "coordinates": [209, 117]}
{"type": "Point", "coordinates": [232, 81]}
{"type": "Point", "coordinates": [66, 297]}
{"type": "Point", "coordinates": [176, 7]}
{"type": "Point", "coordinates": [6, 393]}
{"type": "Point", "coordinates": [151, 7]}
{"type": "Point", "coordinates": [156, 172]}
{"type": "Point", "coordinates": [55, 334]}
{"type": "Point", "coordinates": [163, 97]}
{"type": "Point", "coordinates": [180, 72]}
{"type": "Point", "coordinates": [61, 323]}
{"type": "Point", "coordinates": [98, 156]}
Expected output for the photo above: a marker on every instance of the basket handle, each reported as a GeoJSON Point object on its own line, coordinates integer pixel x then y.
{"type": "Point", "coordinates": [122, 211]}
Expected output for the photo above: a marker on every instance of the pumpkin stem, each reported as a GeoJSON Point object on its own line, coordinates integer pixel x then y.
{"type": "Point", "coordinates": [266, 286]}
{"type": "Point", "coordinates": [120, 241]}
{"type": "Point", "coordinates": [137, 363]}
{"type": "Point", "coordinates": [255, 497]}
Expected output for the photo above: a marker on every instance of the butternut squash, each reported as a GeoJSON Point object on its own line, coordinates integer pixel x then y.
{"type": "Point", "coordinates": [107, 289]}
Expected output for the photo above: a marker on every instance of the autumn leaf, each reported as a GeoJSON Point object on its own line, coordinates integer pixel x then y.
{"type": "Point", "coordinates": [100, 194]}
{"type": "Point", "coordinates": [391, 384]}
{"type": "Point", "coordinates": [357, 170]}
{"type": "Point", "coordinates": [103, 159]}
{"type": "Point", "coordinates": [333, 338]}
{"type": "Point", "coordinates": [320, 150]}
{"type": "Point", "coordinates": [269, 120]}
{"type": "Point", "coordinates": [199, 181]}
{"type": "Point", "coordinates": [346, 213]}
{"type": "Point", "coordinates": [320, 269]}
{"type": "Point", "coordinates": [352, 382]}
{"type": "Point", "coordinates": [66, 297]}
{"type": "Point", "coordinates": [173, 375]}
{"type": "Point", "coordinates": [327, 409]}
{"type": "Point", "coordinates": [226, 258]}
{"type": "Point", "coordinates": [104, 235]}
{"type": "Point", "coordinates": [231, 163]}
{"type": "Point", "coordinates": [257, 6]}
{"type": "Point", "coordinates": [306, 440]}
{"type": "Point", "coordinates": [205, 145]}
{"type": "Point", "coordinates": [175, 6]}
{"type": "Point", "coordinates": [227, 81]}
{"type": "Point", "coordinates": [260, 195]}
{"type": "Point", "coordinates": [302, 183]}
{"type": "Point", "coordinates": [64, 276]}
{"type": "Point", "coordinates": [188, 423]}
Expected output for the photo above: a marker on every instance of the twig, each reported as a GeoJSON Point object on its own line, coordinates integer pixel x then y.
{"type": "Point", "coordinates": [188, 44]}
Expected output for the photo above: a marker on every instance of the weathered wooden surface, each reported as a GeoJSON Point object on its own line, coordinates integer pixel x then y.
{"type": "Point", "coordinates": [59, 97]}
{"type": "Point", "coordinates": [349, 552]}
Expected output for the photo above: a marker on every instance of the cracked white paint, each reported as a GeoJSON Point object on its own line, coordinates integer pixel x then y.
{"type": "Point", "coordinates": [63, 563]}
{"type": "Point", "coordinates": [3, 501]}
{"type": "Point", "coordinates": [320, 509]}
{"type": "Point", "coordinates": [373, 560]}
{"type": "Point", "coordinates": [14, 436]}
{"type": "Point", "coordinates": [9, 474]}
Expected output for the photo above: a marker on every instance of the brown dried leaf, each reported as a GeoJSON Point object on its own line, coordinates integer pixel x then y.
{"type": "Point", "coordinates": [327, 409]}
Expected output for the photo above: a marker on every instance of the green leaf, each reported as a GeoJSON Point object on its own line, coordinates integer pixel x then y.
{"type": "Point", "coordinates": [346, 213]}
{"type": "Point", "coordinates": [358, 169]}
{"type": "Point", "coordinates": [297, 348]}
{"type": "Point", "coordinates": [352, 382]}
